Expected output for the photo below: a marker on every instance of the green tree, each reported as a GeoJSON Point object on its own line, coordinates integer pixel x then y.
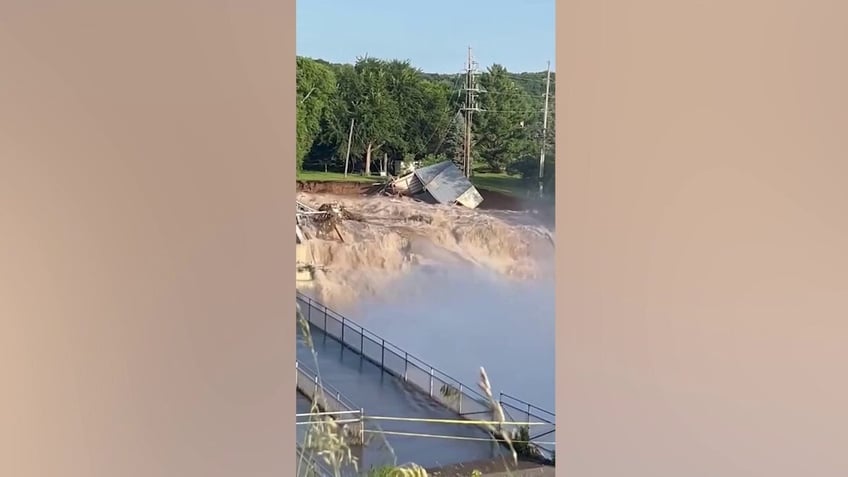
{"type": "Point", "coordinates": [503, 128]}
{"type": "Point", "coordinates": [528, 165]}
{"type": "Point", "coordinates": [402, 112]}
{"type": "Point", "coordinates": [364, 96]}
{"type": "Point", "coordinates": [423, 108]}
{"type": "Point", "coordinates": [331, 141]}
{"type": "Point", "coordinates": [453, 145]}
{"type": "Point", "coordinates": [441, 109]}
{"type": "Point", "coordinates": [406, 89]}
{"type": "Point", "coordinates": [316, 87]}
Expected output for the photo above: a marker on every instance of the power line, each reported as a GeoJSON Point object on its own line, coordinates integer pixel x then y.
{"type": "Point", "coordinates": [528, 111]}
{"type": "Point", "coordinates": [518, 92]}
{"type": "Point", "coordinates": [448, 109]}
{"type": "Point", "coordinates": [456, 85]}
{"type": "Point", "coordinates": [447, 129]}
{"type": "Point", "coordinates": [526, 76]}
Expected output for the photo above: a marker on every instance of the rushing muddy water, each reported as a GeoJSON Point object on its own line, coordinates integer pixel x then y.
{"type": "Point", "coordinates": [456, 287]}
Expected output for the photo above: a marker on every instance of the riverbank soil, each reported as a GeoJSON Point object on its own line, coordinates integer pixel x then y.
{"type": "Point", "coordinates": [492, 200]}
{"type": "Point", "coordinates": [338, 187]}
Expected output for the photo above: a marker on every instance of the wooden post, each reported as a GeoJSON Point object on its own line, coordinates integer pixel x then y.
{"type": "Point", "coordinates": [349, 140]}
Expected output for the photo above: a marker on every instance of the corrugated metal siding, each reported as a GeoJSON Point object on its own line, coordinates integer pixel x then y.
{"type": "Point", "coordinates": [415, 186]}
{"type": "Point", "coordinates": [449, 184]}
{"type": "Point", "coordinates": [471, 198]}
{"type": "Point", "coordinates": [443, 183]}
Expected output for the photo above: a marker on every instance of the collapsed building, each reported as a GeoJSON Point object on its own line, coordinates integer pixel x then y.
{"type": "Point", "coordinates": [442, 183]}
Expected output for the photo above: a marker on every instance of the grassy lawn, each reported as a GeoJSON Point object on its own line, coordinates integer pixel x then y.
{"type": "Point", "coordinates": [497, 182]}
{"type": "Point", "coordinates": [334, 177]}
{"type": "Point", "coordinates": [501, 182]}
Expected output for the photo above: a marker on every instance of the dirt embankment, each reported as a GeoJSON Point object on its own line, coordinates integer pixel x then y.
{"type": "Point", "coordinates": [337, 187]}
{"type": "Point", "coordinates": [492, 200]}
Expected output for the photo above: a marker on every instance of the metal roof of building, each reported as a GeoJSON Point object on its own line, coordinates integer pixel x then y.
{"type": "Point", "coordinates": [447, 184]}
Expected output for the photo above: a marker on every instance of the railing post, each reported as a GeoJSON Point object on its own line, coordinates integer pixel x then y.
{"type": "Point", "coordinates": [325, 321]}
{"type": "Point", "coordinates": [405, 365]}
{"type": "Point", "coordinates": [431, 381]}
{"type": "Point", "coordinates": [361, 342]}
{"type": "Point", "coordinates": [343, 327]}
{"type": "Point", "coordinates": [362, 425]}
{"type": "Point", "coordinates": [459, 405]}
{"type": "Point", "coordinates": [315, 393]}
{"type": "Point", "coordinates": [383, 356]}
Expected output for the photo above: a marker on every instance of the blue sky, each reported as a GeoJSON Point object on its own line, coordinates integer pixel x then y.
{"type": "Point", "coordinates": [518, 34]}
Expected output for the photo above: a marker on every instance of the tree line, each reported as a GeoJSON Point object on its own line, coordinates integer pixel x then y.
{"type": "Point", "coordinates": [402, 113]}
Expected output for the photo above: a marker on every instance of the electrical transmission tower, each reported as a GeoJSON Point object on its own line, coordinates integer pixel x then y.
{"type": "Point", "coordinates": [470, 107]}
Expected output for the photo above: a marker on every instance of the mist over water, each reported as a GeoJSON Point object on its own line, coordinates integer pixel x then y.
{"type": "Point", "coordinates": [459, 318]}
{"type": "Point", "coordinates": [457, 288]}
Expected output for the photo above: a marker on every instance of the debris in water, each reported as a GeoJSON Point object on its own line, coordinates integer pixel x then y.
{"type": "Point", "coordinates": [385, 239]}
{"type": "Point", "coordinates": [325, 219]}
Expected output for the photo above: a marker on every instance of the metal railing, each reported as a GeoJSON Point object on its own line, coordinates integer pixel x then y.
{"type": "Point", "coordinates": [522, 411]}
{"type": "Point", "coordinates": [330, 400]}
{"type": "Point", "coordinates": [451, 393]}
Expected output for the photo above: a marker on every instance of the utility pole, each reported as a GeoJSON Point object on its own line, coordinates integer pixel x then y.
{"type": "Point", "coordinates": [544, 133]}
{"type": "Point", "coordinates": [349, 140]}
{"type": "Point", "coordinates": [470, 107]}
